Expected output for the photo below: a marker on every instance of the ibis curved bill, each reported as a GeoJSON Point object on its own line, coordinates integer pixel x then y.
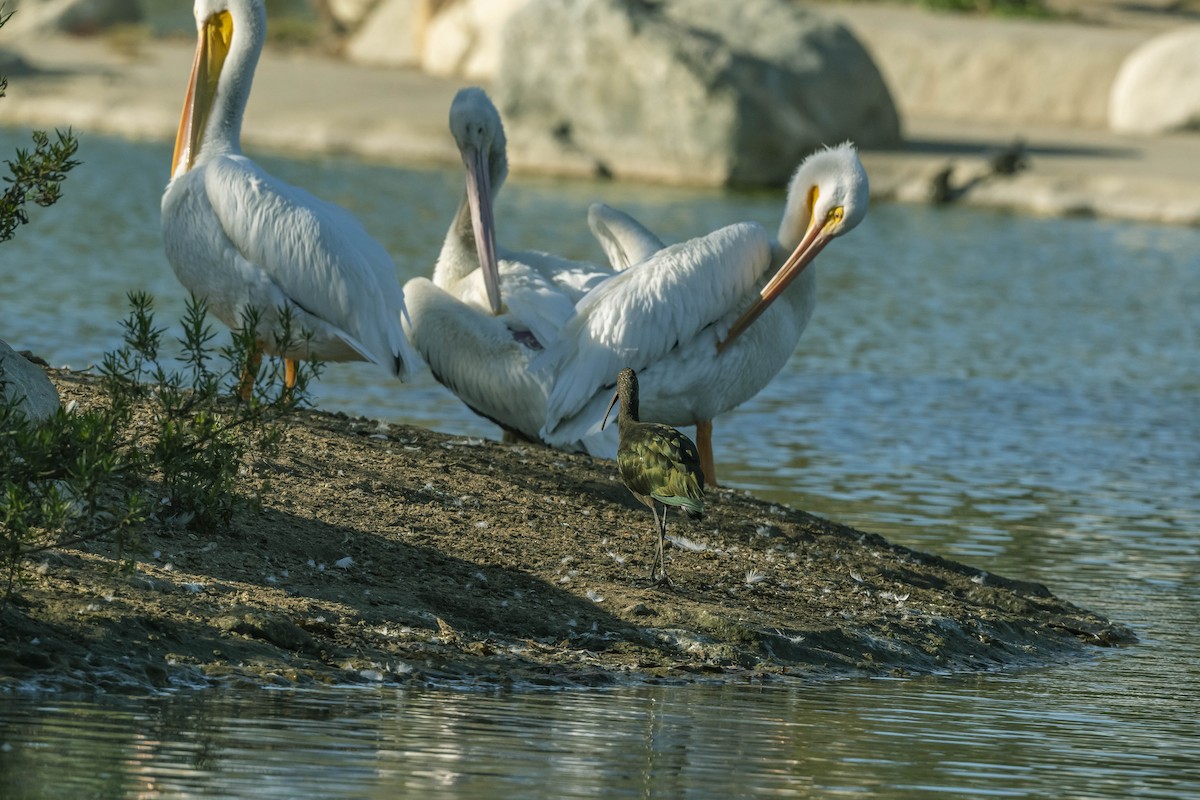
{"type": "Point", "coordinates": [243, 239]}
{"type": "Point", "coordinates": [706, 323]}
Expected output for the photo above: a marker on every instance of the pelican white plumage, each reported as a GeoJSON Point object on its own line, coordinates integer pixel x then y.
{"type": "Point", "coordinates": [625, 240]}
{"type": "Point", "coordinates": [537, 286]}
{"type": "Point", "coordinates": [243, 239]}
{"type": "Point", "coordinates": [706, 323]}
{"type": "Point", "coordinates": [488, 311]}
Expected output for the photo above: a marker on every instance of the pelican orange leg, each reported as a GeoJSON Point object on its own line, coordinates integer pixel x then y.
{"type": "Point", "coordinates": [704, 445]}
{"type": "Point", "coordinates": [246, 384]}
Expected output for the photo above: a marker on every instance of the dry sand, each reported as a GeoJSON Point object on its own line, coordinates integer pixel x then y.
{"type": "Point", "coordinates": [387, 553]}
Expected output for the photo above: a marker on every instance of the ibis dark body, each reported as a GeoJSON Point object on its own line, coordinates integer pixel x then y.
{"type": "Point", "coordinates": [660, 465]}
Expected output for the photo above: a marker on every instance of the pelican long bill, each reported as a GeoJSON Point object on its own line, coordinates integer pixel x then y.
{"type": "Point", "coordinates": [479, 195]}
{"type": "Point", "coordinates": [810, 246]}
{"type": "Point", "coordinates": [211, 50]}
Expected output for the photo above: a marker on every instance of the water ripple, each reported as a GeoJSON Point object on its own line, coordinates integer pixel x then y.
{"type": "Point", "coordinates": [1018, 393]}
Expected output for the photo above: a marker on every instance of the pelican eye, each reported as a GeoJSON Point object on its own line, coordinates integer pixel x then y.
{"type": "Point", "coordinates": [836, 215]}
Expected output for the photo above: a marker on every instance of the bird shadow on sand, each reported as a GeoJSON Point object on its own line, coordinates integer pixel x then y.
{"type": "Point", "coordinates": [295, 598]}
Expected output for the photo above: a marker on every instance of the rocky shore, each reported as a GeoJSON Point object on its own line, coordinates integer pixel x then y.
{"type": "Point", "coordinates": [392, 554]}
{"type": "Point", "coordinates": [975, 131]}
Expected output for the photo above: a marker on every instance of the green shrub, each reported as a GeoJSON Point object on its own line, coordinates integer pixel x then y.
{"type": "Point", "coordinates": [65, 481]}
{"type": "Point", "coordinates": [202, 440]}
{"type": "Point", "coordinates": [168, 447]}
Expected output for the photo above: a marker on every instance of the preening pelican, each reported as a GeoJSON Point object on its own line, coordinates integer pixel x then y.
{"type": "Point", "coordinates": [243, 239]}
{"type": "Point", "coordinates": [488, 311]}
{"type": "Point", "coordinates": [706, 323]}
{"type": "Point", "coordinates": [473, 267]}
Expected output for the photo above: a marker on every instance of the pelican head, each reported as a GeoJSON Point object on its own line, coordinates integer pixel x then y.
{"type": "Point", "coordinates": [230, 38]}
{"type": "Point", "coordinates": [479, 133]}
{"type": "Point", "coordinates": [827, 197]}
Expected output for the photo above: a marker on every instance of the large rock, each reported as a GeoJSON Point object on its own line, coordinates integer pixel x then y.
{"type": "Point", "coordinates": [26, 381]}
{"type": "Point", "coordinates": [70, 16]}
{"type": "Point", "coordinates": [1158, 87]}
{"type": "Point", "coordinates": [980, 68]}
{"type": "Point", "coordinates": [348, 15]}
{"type": "Point", "coordinates": [464, 38]}
{"type": "Point", "coordinates": [449, 38]}
{"type": "Point", "coordinates": [391, 34]}
{"type": "Point", "coordinates": [686, 91]}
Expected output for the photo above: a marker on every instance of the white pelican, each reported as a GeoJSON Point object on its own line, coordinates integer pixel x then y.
{"type": "Point", "coordinates": [699, 321]}
{"type": "Point", "coordinates": [242, 239]}
{"type": "Point", "coordinates": [478, 343]}
{"type": "Point", "coordinates": [473, 266]}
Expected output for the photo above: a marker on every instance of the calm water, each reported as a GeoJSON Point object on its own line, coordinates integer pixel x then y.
{"type": "Point", "coordinates": [1017, 393]}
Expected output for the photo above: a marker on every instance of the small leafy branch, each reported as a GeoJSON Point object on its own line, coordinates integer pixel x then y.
{"type": "Point", "coordinates": [202, 440]}
{"type": "Point", "coordinates": [100, 475]}
{"type": "Point", "coordinates": [35, 176]}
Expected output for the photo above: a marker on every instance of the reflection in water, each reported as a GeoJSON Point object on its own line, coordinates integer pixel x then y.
{"type": "Point", "coordinates": [1016, 393]}
{"type": "Point", "coordinates": [1029, 735]}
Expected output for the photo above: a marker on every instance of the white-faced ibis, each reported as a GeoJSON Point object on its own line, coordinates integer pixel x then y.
{"type": "Point", "coordinates": [709, 322]}
{"type": "Point", "coordinates": [657, 463]}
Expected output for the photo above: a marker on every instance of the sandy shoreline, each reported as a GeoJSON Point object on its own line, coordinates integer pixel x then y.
{"type": "Point", "coordinates": [389, 554]}
{"type": "Point", "coordinates": [306, 103]}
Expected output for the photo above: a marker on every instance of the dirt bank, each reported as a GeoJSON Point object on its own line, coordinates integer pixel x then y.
{"type": "Point", "coordinates": [395, 554]}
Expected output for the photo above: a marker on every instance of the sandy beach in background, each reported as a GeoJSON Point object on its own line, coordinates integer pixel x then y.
{"type": "Point", "coordinates": [306, 102]}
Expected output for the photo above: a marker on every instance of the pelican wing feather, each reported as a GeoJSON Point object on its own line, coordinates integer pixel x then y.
{"type": "Point", "coordinates": [318, 254]}
{"type": "Point", "coordinates": [475, 356]}
{"type": "Point", "coordinates": [625, 241]}
{"type": "Point", "coordinates": [533, 301]}
{"type": "Point", "coordinates": [640, 314]}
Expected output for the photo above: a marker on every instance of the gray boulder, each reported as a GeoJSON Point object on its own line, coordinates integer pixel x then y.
{"type": "Point", "coordinates": [686, 91]}
{"type": "Point", "coordinates": [347, 15]}
{"type": "Point", "coordinates": [464, 38]}
{"type": "Point", "coordinates": [1157, 89]}
{"type": "Point", "coordinates": [26, 381]}
{"type": "Point", "coordinates": [390, 34]}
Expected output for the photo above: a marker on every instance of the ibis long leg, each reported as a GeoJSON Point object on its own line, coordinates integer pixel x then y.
{"type": "Point", "coordinates": [661, 556]}
{"type": "Point", "coordinates": [658, 529]}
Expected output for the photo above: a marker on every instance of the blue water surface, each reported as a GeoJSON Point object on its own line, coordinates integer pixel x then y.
{"type": "Point", "coordinates": [1017, 393]}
